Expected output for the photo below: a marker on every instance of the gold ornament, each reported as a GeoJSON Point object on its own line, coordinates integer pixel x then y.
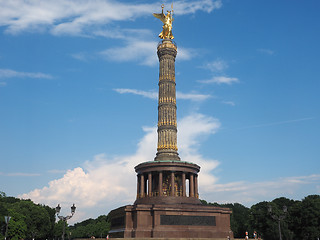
{"type": "Point", "coordinates": [167, 23]}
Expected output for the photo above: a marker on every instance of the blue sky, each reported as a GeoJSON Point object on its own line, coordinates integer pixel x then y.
{"type": "Point", "coordinates": [78, 99]}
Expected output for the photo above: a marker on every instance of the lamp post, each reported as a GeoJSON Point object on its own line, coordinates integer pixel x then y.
{"type": "Point", "coordinates": [65, 219]}
{"type": "Point", "coordinates": [279, 217]}
{"type": "Point", "coordinates": [6, 219]}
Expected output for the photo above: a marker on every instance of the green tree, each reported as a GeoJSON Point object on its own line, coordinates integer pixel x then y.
{"type": "Point", "coordinates": [17, 228]}
{"type": "Point", "coordinates": [261, 222]}
{"type": "Point", "coordinates": [38, 219]}
{"type": "Point", "coordinates": [267, 223]}
{"type": "Point", "coordinates": [278, 207]}
{"type": "Point", "coordinates": [58, 229]}
{"type": "Point", "coordinates": [306, 220]}
{"type": "Point", "coordinates": [91, 227]}
{"type": "Point", "coordinates": [239, 219]}
{"type": "Point", "coordinates": [102, 226]}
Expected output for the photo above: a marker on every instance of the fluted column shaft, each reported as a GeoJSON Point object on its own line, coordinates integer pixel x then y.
{"type": "Point", "coordinates": [172, 184]}
{"type": "Point", "coordinates": [196, 193]}
{"type": "Point", "coordinates": [167, 109]}
{"type": "Point", "coordinates": [191, 186]}
{"type": "Point", "coordinates": [160, 183]}
{"type": "Point", "coordinates": [183, 184]}
{"type": "Point", "coordinates": [138, 186]}
{"type": "Point", "coordinates": [142, 185]}
{"type": "Point", "coordinates": [149, 184]}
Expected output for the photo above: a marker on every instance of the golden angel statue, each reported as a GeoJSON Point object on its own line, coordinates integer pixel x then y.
{"type": "Point", "coordinates": [167, 23]}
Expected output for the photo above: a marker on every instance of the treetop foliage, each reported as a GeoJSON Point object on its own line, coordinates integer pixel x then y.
{"type": "Point", "coordinates": [300, 221]}
{"type": "Point", "coordinates": [36, 221]}
{"type": "Point", "coordinates": [28, 220]}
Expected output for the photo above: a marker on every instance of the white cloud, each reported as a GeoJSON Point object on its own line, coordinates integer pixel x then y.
{"type": "Point", "coordinates": [192, 131]}
{"type": "Point", "coordinates": [151, 95]}
{"type": "Point", "coordinates": [81, 56]}
{"type": "Point", "coordinates": [8, 73]}
{"type": "Point", "coordinates": [278, 123]}
{"type": "Point", "coordinates": [192, 96]}
{"type": "Point", "coordinates": [56, 171]}
{"type": "Point", "coordinates": [20, 174]}
{"type": "Point", "coordinates": [194, 126]}
{"type": "Point", "coordinates": [266, 51]}
{"type": "Point", "coordinates": [96, 18]}
{"type": "Point", "coordinates": [124, 34]}
{"type": "Point", "coordinates": [106, 182]}
{"type": "Point", "coordinates": [79, 17]}
{"type": "Point", "coordinates": [231, 103]}
{"type": "Point", "coordinates": [66, 17]}
{"type": "Point", "coordinates": [154, 95]}
{"type": "Point", "coordinates": [216, 66]}
{"type": "Point", "coordinates": [249, 193]}
{"type": "Point", "coordinates": [186, 7]}
{"type": "Point", "coordinates": [221, 80]}
{"type": "Point", "coordinates": [142, 51]}
{"type": "Point", "coordinates": [186, 53]}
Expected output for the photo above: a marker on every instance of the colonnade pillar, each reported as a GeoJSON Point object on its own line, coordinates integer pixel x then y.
{"type": "Point", "coordinates": [145, 187]}
{"type": "Point", "coordinates": [142, 185]}
{"type": "Point", "coordinates": [172, 184]}
{"type": "Point", "coordinates": [149, 184]}
{"type": "Point", "coordinates": [184, 185]}
{"type": "Point", "coordinates": [160, 184]}
{"type": "Point", "coordinates": [138, 186]}
{"type": "Point", "coordinates": [191, 186]}
{"type": "Point", "coordinates": [196, 194]}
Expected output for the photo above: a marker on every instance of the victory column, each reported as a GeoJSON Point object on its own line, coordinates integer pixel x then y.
{"type": "Point", "coordinates": [167, 203]}
{"type": "Point", "coordinates": [167, 117]}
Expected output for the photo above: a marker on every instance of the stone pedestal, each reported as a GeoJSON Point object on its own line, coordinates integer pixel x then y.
{"type": "Point", "coordinates": [170, 221]}
{"type": "Point", "coordinates": [168, 206]}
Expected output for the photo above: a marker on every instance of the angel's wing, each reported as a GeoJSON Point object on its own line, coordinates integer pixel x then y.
{"type": "Point", "coordinates": [161, 16]}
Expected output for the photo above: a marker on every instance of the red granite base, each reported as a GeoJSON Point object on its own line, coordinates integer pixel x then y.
{"type": "Point", "coordinates": [170, 221]}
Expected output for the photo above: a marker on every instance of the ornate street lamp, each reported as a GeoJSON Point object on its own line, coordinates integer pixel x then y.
{"type": "Point", "coordinates": [6, 219]}
{"type": "Point", "coordinates": [279, 217]}
{"type": "Point", "coordinates": [65, 219]}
